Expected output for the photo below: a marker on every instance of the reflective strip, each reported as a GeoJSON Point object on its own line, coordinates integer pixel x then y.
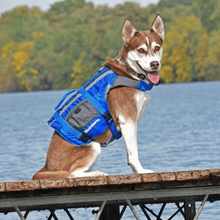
{"type": "Point", "coordinates": [64, 97]}
{"type": "Point", "coordinates": [52, 122]}
{"type": "Point", "coordinates": [99, 78]}
{"type": "Point", "coordinates": [67, 106]}
{"type": "Point", "coordinates": [107, 90]}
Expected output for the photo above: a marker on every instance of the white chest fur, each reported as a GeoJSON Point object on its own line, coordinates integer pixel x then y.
{"type": "Point", "coordinates": [142, 99]}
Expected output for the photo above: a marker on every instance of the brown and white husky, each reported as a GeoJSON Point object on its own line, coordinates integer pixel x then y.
{"type": "Point", "coordinates": [141, 53]}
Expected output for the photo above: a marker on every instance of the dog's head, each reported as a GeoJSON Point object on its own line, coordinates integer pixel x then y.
{"type": "Point", "coordinates": [143, 49]}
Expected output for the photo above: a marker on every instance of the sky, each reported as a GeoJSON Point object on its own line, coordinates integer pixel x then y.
{"type": "Point", "coordinates": [44, 5]}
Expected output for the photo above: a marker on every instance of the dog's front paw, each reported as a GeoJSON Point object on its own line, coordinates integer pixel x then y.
{"type": "Point", "coordinates": [99, 173]}
{"type": "Point", "coordinates": [146, 171]}
{"type": "Point", "coordinates": [86, 174]}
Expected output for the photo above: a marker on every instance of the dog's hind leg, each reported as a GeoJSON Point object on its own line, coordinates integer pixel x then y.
{"type": "Point", "coordinates": [70, 161]}
{"type": "Point", "coordinates": [82, 169]}
{"type": "Point", "coordinates": [44, 173]}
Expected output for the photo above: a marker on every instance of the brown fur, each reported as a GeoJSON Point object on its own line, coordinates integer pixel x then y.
{"type": "Point", "coordinates": [63, 158]}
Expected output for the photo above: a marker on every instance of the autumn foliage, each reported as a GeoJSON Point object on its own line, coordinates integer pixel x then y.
{"type": "Point", "coordinates": [64, 47]}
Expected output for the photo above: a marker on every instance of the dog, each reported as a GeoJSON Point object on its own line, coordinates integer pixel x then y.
{"type": "Point", "coordinates": [139, 59]}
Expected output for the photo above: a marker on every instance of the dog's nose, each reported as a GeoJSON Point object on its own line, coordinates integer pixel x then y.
{"type": "Point", "coordinates": [154, 64]}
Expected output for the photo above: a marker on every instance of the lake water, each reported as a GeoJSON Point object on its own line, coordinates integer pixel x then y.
{"type": "Point", "coordinates": [179, 131]}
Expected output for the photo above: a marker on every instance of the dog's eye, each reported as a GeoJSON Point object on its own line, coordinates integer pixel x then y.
{"type": "Point", "coordinates": [157, 48]}
{"type": "Point", "coordinates": [140, 50]}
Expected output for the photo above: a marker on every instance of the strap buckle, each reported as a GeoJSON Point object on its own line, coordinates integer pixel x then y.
{"type": "Point", "coordinates": [85, 138]}
{"type": "Point", "coordinates": [108, 117]}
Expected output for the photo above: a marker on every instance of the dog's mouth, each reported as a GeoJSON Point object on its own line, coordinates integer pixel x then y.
{"type": "Point", "coordinates": [153, 76]}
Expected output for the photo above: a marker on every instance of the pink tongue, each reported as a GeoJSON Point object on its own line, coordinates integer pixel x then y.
{"type": "Point", "coordinates": [154, 78]}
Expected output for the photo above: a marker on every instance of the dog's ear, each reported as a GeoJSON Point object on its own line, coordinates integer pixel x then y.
{"type": "Point", "coordinates": [128, 32]}
{"type": "Point", "coordinates": [158, 27]}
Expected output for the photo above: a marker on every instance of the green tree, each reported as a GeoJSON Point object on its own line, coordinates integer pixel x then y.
{"type": "Point", "coordinates": [65, 46]}
{"type": "Point", "coordinates": [212, 61]}
{"type": "Point", "coordinates": [179, 48]}
{"type": "Point", "coordinates": [202, 54]}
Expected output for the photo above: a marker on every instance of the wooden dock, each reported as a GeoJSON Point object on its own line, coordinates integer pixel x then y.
{"type": "Point", "coordinates": [113, 194]}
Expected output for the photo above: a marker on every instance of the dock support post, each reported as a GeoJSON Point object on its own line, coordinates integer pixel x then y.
{"type": "Point", "coordinates": [110, 212]}
{"type": "Point", "coordinates": [68, 213]}
{"type": "Point", "coordinates": [19, 213]}
{"type": "Point", "coordinates": [190, 209]}
{"type": "Point", "coordinates": [100, 210]}
{"type": "Point", "coordinates": [201, 207]}
{"type": "Point", "coordinates": [132, 209]}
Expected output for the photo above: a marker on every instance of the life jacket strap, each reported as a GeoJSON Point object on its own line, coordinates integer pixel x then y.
{"type": "Point", "coordinates": [103, 112]}
{"type": "Point", "coordinates": [123, 81]}
{"type": "Point", "coordinates": [92, 100]}
{"type": "Point", "coordinates": [74, 131]}
{"type": "Point", "coordinates": [107, 117]}
{"type": "Point", "coordinates": [85, 138]}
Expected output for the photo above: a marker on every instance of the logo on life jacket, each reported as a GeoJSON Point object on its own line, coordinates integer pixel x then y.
{"type": "Point", "coordinates": [92, 125]}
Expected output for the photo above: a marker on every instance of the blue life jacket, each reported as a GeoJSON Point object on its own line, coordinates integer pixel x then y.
{"type": "Point", "coordinates": [83, 114]}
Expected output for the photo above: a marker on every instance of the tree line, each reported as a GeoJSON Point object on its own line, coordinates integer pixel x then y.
{"type": "Point", "coordinates": [64, 47]}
